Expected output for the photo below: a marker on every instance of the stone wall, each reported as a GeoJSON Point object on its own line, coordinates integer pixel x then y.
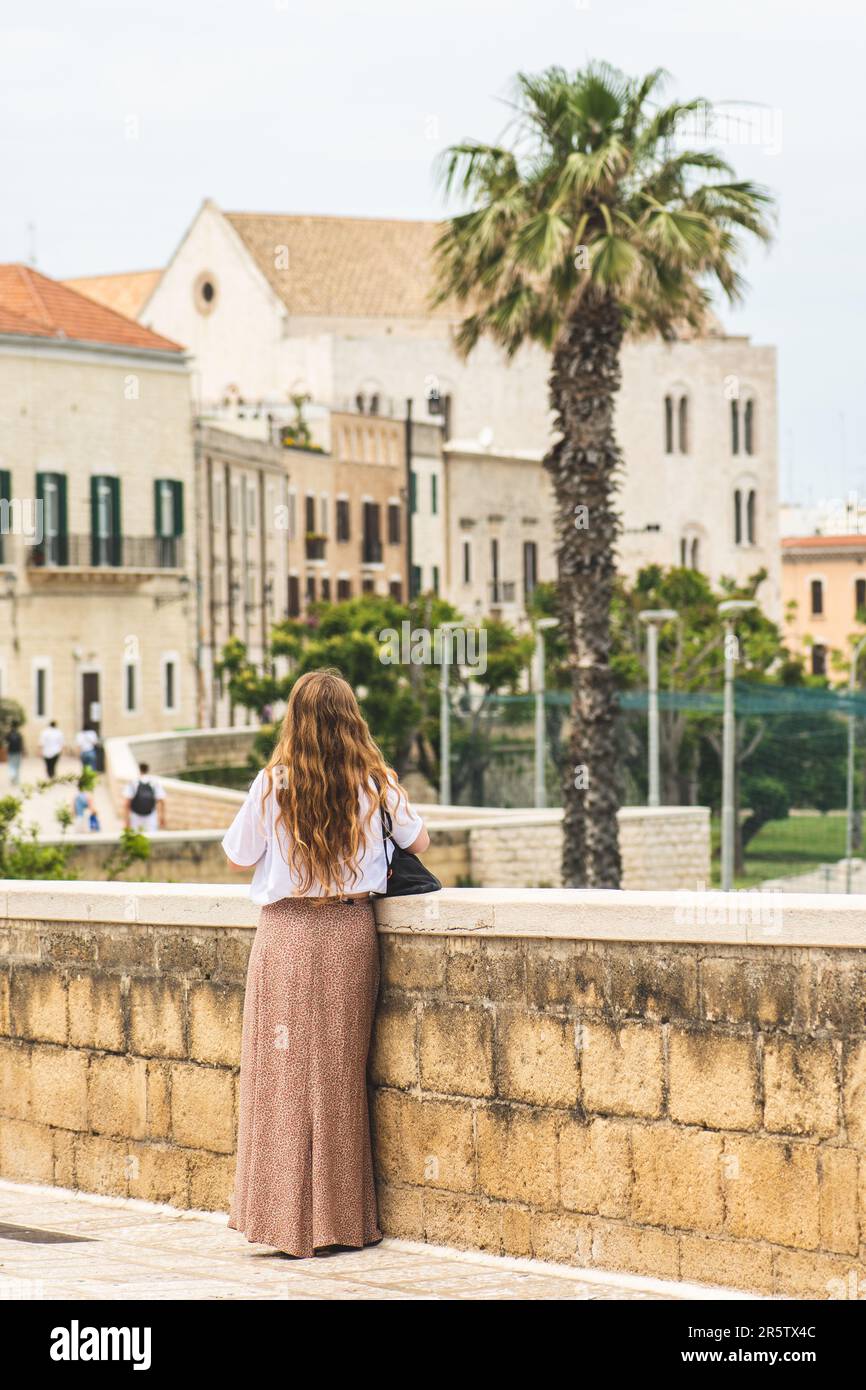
{"type": "Point", "coordinates": [667, 1084]}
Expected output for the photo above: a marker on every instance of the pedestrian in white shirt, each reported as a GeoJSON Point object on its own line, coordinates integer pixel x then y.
{"type": "Point", "coordinates": [144, 802]}
{"type": "Point", "coordinates": [86, 742]}
{"type": "Point", "coordinates": [51, 743]}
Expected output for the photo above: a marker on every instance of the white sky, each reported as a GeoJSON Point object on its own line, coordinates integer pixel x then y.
{"type": "Point", "coordinates": [119, 117]}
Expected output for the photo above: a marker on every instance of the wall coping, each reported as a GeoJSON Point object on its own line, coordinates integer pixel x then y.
{"type": "Point", "coordinates": [733, 919]}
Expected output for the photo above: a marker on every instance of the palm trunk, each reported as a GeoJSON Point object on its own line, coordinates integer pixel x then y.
{"type": "Point", "coordinates": [583, 465]}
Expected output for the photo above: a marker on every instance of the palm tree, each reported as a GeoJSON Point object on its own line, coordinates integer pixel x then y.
{"type": "Point", "coordinates": [592, 222]}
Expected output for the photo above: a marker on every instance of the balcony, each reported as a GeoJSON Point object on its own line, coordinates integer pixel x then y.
{"type": "Point", "coordinates": [114, 558]}
{"type": "Point", "coordinates": [502, 591]}
{"type": "Point", "coordinates": [371, 552]}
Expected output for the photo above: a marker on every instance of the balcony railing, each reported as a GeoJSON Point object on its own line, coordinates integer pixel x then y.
{"type": "Point", "coordinates": [108, 552]}
{"type": "Point", "coordinates": [503, 591]}
{"type": "Point", "coordinates": [371, 552]}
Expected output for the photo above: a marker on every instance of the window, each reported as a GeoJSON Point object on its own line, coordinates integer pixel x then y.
{"type": "Point", "coordinates": [342, 518]}
{"type": "Point", "coordinates": [695, 555]}
{"type": "Point", "coordinates": [5, 515]}
{"type": "Point", "coordinates": [738, 517]}
{"type": "Point", "coordinates": [41, 689]}
{"type": "Point", "coordinates": [413, 493]}
{"type": "Point", "coordinates": [394, 523]}
{"type": "Point", "coordinates": [684, 424]}
{"type": "Point", "coordinates": [371, 552]}
{"type": "Point", "coordinates": [434, 494]}
{"type": "Point", "coordinates": [749, 427]}
{"type": "Point", "coordinates": [530, 567]}
{"type": "Point", "coordinates": [819, 659]}
{"type": "Point", "coordinates": [859, 596]}
{"type": "Point", "coordinates": [467, 561]}
{"type": "Point", "coordinates": [310, 515]}
{"type": "Point", "coordinates": [415, 581]}
{"type": "Point", "coordinates": [323, 514]}
{"type": "Point", "coordinates": [169, 683]}
{"type": "Point", "coordinates": [204, 292]}
{"type": "Point", "coordinates": [326, 588]}
{"type": "Point", "coordinates": [293, 514]}
{"type": "Point", "coordinates": [750, 517]}
{"type": "Point", "coordinates": [669, 424]}
{"type": "Point", "coordinates": [735, 427]}
{"type": "Point", "coordinates": [293, 603]}
{"type": "Point", "coordinates": [435, 579]}
{"type": "Point", "coordinates": [311, 588]}
{"type": "Point", "coordinates": [816, 592]}
{"type": "Point", "coordinates": [250, 516]}
{"type": "Point", "coordinates": [367, 585]}
{"type": "Point", "coordinates": [168, 519]}
{"type": "Point", "coordinates": [105, 539]}
{"type": "Point", "coordinates": [344, 590]}
{"type": "Point", "coordinates": [51, 492]}
{"type": "Point", "coordinates": [130, 687]}
{"type": "Point", "coordinates": [395, 589]}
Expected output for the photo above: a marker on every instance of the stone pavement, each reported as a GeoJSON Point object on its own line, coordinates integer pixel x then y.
{"type": "Point", "coordinates": [137, 1250]}
{"type": "Point", "coordinates": [40, 808]}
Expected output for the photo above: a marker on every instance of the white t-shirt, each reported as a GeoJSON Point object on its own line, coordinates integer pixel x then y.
{"type": "Point", "coordinates": [87, 740]}
{"type": "Point", "coordinates": [51, 742]}
{"type": "Point", "coordinates": [252, 839]}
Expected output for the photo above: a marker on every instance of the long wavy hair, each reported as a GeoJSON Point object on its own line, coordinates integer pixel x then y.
{"type": "Point", "coordinates": [323, 756]}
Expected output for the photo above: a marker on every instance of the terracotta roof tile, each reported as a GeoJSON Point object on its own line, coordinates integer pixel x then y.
{"type": "Point", "coordinates": [51, 309]}
{"type": "Point", "coordinates": [127, 293]}
{"type": "Point", "coordinates": [354, 266]}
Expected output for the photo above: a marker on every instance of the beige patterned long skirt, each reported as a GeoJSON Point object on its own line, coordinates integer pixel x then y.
{"type": "Point", "coordinates": [304, 1175]}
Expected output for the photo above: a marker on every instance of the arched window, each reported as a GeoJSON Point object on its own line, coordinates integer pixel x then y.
{"type": "Point", "coordinates": [738, 517]}
{"type": "Point", "coordinates": [816, 592]}
{"type": "Point", "coordinates": [749, 427]}
{"type": "Point", "coordinates": [750, 517]}
{"type": "Point", "coordinates": [669, 424]}
{"type": "Point", "coordinates": [696, 554]}
{"type": "Point", "coordinates": [735, 427]}
{"type": "Point", "coordinates": [859, 596]}
{"type": "Point", "coordinates": [683, 413]}
{"type": "Point", "coordinates": [819, 659]}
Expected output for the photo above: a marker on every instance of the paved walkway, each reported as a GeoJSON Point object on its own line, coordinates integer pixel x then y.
{"type": "Point", "coordinates": [137, 1250]}
{"type": "Point", "coordinates": [40, 808]}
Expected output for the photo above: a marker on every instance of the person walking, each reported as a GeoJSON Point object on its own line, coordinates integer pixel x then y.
{"type": "Point", "coordinates": [144, 802]}
{"type": "Point", "coordinates": [87, 741]}
{"type": "Point", "coordinates": [51, 743]}
{"type": "Point", "coordinates": [84, 807]}
{"type": "Point", "coordinates": [15, 750]}
{"type": "Point", "coordinates": [311, 829]}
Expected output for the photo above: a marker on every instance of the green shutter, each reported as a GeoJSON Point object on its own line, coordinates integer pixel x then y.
{"type": "Point", "coordinates": [63, 527]}
{"type": "Point", "coordinates": [116, 523]}
{"type": "Point", "coordinates": [94, 519]}
{"type": "Point", "coordinates": [413, 492]}
{"type": "Point", "coordinates": [177, 489]}
{"type": "Point", "coordinates": [157, 509]}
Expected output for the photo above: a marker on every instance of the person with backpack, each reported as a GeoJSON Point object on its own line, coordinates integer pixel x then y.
{"type": "Point", "coordinates": [313, 829]}
{"type": "Point", "coordinates": [144, 802]}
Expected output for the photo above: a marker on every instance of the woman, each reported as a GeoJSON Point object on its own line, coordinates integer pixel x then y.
{"type": "Point", "coordinates": [312, 826]}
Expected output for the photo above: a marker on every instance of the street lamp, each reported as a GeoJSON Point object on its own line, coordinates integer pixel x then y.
{"type": "Point", "coordinates": [445, 717]}
{"type": "Point", "coordinates": [654, 617]}
{"type": "Point", "coordinates": [849, 803]}
{"type": "Point", "coordinates": [729, 612]}
{"type": "Point", "coordinates": [543, 625]}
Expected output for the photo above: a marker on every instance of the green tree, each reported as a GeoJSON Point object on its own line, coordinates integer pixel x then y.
{"type": "Point", "coordinates": [591, 223]}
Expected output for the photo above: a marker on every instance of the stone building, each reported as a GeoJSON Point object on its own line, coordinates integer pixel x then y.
{"type": "Point", "coordinates": [824, 599]}
{"type": "Point", "coordinates": [97, 598]}
{"type": "Point", "coordinates": [339, 309]}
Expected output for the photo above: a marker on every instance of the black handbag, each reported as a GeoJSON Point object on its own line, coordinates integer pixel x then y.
{"type": "Point", "coordinates": [406, 874]}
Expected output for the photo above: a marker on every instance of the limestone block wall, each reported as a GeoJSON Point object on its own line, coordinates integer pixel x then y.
{"type": "Point", "coordinates": [665, 847]}
{"type": "Point", "coordinates": [667, 1084]}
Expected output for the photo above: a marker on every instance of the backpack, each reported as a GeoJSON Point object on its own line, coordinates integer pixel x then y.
{"type": "Point", "coordinates": [144, 800]}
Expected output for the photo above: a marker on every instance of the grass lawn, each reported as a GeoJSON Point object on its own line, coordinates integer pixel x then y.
{"type": "Point", "coordinates": [796, 845]}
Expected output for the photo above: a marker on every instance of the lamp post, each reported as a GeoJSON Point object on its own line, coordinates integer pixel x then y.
{"type": "Point", "coordinates": [653, 618]}
{"type": "Point", "coordinates": [849, 800]}
{"type": "Point", "coordinates": [445, 717]}
{"type": "Point", "coordinates": [543, 625]}
{"type": "Point", "coordinates": [729, 611]}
